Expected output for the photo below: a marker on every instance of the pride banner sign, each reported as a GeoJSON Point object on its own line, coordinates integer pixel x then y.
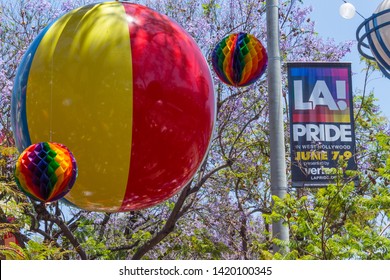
{"type": "Point", "coordinates": [321, 121]}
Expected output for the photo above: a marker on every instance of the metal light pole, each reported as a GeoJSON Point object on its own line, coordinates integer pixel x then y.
{"type": "Point", "coordinates": [278, 157]}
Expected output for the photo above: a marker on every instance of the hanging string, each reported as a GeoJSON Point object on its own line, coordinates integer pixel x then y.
{"type": "Point", "coordinates": [51, 102]}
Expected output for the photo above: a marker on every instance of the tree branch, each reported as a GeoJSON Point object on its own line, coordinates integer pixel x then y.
{"type": "Point", "coordinates": [168, 227]}
{"type": "Point", "coordinates": [46, 216]}
{"type": "Point", "coordinates": [177, 212]}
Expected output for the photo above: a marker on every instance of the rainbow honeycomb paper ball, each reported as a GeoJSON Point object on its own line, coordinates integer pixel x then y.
{"type": "Point", "coordinates": [129, 92]}
{"type": "Point", "coordinates": [46, 171]}
{"type": "Point", "coordinates": [239, 59]}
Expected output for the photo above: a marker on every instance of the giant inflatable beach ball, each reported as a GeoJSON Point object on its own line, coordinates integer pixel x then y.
{"type": "Point", "coordinates": [129, 92]}
{"type": "Point", "coordinates": [239, 59]}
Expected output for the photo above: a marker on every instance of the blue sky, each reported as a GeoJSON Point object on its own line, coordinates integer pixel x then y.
{"type": "Point", "coordinates": [330, 24]}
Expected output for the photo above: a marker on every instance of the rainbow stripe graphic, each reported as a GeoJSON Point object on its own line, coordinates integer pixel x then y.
{"type": "Point", "coordinates": [46, 171]}
{"type": "Point", "coordinates": [322, 113]}
{"type": "Point", "coordinates": [129, 92]}
{"type": "Point", "coordinates": [239, 59]}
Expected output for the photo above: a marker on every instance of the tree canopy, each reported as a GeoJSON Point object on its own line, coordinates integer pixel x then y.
{"type": "Point", "coordinates": [227, 210]}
